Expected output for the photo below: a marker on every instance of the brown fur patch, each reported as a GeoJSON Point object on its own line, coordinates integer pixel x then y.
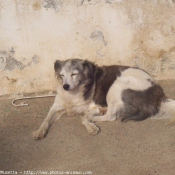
{"type": "Point", "coordinates": [105, 77]}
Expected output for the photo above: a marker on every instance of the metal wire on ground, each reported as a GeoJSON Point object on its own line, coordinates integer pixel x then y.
{"type": "Point", "coordinates": [25, 104]}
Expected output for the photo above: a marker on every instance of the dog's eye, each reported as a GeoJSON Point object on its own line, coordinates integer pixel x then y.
{"type": "Point", "coordinates": [61, 75]}
{"type": "Point", "coordinates": [74, 74]}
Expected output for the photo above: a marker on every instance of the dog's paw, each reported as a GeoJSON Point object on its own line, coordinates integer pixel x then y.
{"type": "Point", "coordinates": [93, 129]}
{"type": "Point", "coordinates": [39, 134]}
{"type": "Point", "coordinates": [103, 111]}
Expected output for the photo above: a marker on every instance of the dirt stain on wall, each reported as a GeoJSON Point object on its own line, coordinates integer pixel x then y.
{"type": "Point", "coordinates": [53, 4]}
{"type": "Point", "coordinates": [98, 35]}
{"type": "Point", "coordinates": [36, 6]}
{"type": "Point", "coordinates": [10, 63]}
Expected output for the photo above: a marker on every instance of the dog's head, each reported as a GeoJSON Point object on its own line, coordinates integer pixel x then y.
{"type": "Point", "coordinates": [74, 72]}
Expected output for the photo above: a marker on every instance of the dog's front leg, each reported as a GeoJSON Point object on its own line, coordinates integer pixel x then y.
{"type": "Point", "coordinates": [86, 120]}
{"type": "Point", "coordinates": [51, 117]}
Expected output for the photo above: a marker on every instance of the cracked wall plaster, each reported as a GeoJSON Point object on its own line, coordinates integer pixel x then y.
{"type": "Point", "coordinates": [98, 35]}
{"type": "Point", "coordinates": [9, 62]}
{"type": "Point", "coordinates": [53, 4]}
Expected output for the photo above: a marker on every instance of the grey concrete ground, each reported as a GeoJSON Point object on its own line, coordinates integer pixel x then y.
{"type": "Point", "coordinates": [132, 148]}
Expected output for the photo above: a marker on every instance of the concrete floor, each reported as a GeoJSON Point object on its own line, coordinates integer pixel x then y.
{"type": "Point", "coordinates": [132, 148]}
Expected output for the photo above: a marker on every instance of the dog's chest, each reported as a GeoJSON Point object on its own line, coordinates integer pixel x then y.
{"type": "Point", "coordinates": [72, 103]}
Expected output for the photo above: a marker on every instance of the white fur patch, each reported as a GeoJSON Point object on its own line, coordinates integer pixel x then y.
{"type": "Point", "coordinates": [135, 79]}
{"type": "Point", "coordinates": [167, 110]}
{"type": "Point", "coordinates": [71, 101]}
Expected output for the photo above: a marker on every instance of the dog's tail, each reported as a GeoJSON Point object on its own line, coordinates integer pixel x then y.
{"type": "Point", "coordinates": [167, 110]}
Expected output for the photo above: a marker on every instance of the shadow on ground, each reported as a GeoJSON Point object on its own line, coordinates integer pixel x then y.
{"type": "Point", "coordinates": [132, 148]}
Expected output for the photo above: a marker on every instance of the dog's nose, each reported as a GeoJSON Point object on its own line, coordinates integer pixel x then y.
{"type": "Point", "coordinates": [66, 86]}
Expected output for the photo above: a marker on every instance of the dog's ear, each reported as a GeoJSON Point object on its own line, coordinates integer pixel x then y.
{"type": "Point", "coordinates": [58, 65]}
{"type": "Point", "coordinates": [89, 69]}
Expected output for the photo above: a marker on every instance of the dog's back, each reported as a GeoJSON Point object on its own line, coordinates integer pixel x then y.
{"type": "Point", "coordinates": [141, 97]}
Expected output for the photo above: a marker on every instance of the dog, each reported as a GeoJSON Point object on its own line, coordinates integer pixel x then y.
{"type": "Point", "coordinates": [87, 89]}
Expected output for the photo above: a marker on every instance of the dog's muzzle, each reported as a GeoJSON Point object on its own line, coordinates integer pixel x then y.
{"type": "Point", "coordinates": [66, 87]}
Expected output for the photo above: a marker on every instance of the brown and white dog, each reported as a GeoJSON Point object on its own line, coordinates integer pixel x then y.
{"type": "Point", "coordinates": [85, 88]}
